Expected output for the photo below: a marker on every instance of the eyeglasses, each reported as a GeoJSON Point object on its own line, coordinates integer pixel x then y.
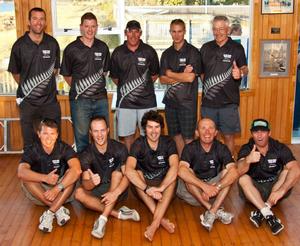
{"type": "Point", "coordinates": [220, 30]}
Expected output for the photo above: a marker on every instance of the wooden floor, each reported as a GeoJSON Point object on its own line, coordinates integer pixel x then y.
{"type": "Point", "coordinates": [19, 221]}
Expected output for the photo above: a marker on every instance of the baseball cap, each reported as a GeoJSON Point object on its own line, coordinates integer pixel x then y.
{"type": "Point", "coordinates": [260, 124]}
{"type": "Point", "coordinates": [133, 24]}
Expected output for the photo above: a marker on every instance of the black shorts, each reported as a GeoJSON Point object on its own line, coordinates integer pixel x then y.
{"type": "Point", "coordinates": [264, 188]}
{"type": "Point", "coordinates": [181, 121]}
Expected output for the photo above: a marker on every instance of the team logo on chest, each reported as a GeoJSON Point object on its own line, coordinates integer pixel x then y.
{"type": "Point", "coordinates": [226, 58]}
{"type": "Point", "coordinates": [272, 162]}
{"type": "Point", "coordinates": [46, 54]}
{"type": "Point", "coordinates": [98, 56]}
{"type": "Point", "coordinates": [161, 160]}
{"type": "Point", "coordinates": [111, 162]}
{"type": "Point", "coordinates": [141, 61]}
{"type": "Point", "coordinates": [212, 164]}
{"type": "Point", "coordinates": [56, 164]}
{"type": "Point", "coordinates": [182, 62]}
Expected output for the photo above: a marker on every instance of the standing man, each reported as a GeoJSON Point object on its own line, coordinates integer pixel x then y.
{"type": "Point", "coordinates": [84, 66]}
{"type": "Point", "coordinates": [48, 171]}
{"type": "Point", "coordinates": [103, 182]}
{"type": "Point", "coordinates": [223, 64]}
{"type": "Point", "coordinates": [152, 168]}
{"type": "Point", "coordinates": [208, 171]}
{"type": "Point", "coordinates": [33, 63]}
{"type": "Point", "coordinates": [268, 172]}
{"type": "Point", "coordinates": [178, 69]}
{"type": "Point", "coordinates": [134, 69]}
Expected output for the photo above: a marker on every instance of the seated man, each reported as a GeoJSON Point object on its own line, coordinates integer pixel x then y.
{"type": "Point", "coordinates": [48, 171]}
{"type": "Point", "coordinates": [207, 170]}
{"type": "Point", "coordinates": [268, 172]}
{"type": "Point", "coordinates": [103, 182]}
{"type": "Point", "coordinates": [152, 168]}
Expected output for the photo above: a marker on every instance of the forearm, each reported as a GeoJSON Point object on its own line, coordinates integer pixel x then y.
{"type": "Point", "coordinates": [230, 177]}
{"type": "Point", "coordinates": [169, 178]}
{"type": "Point", "coordinates": [70, 177]}
{"type": "Point", "coordinates": [181, 77]}
{"type": "Point", "coordinates": [243, 166]}
{"type": "Point", "coordinates": [135, 179]}
{"type": "Point", "coordinates": [31, 176]}
{"type": "Point", "coordinates": [166, 80]}
{"type": "Point", "coordinates": [16, 77]}
{"type": "Point", "coordinates": [244, 70]}
{"type": "Point", "coordinates": [189, 177]}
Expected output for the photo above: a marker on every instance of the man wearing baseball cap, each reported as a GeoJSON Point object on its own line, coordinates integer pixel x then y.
{"type": "Point", "coordinates": [268, 172]}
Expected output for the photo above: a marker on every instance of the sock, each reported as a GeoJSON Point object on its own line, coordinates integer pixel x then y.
{"type": "Point", "coordinates": [266, 211]}
{"type": "Point", "coordinates": [103, 217]}
{"type": "Point", "coordinates": [53, 213]}
{"type": "Point", "coordinates": [268, 205]}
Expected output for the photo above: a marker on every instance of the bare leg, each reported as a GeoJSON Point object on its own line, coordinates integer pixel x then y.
{"type": "Point", "coordinates": [61, 198]}
{"type": "Point", "coordinates": [229, 141]}
{"type": "Point", "coordinates": [128, 141]}
{"type": "Point", "coordinates": [196, 192]}
{"type": "Point", "coordinates": [251, 192]}
{"type": "Point", "coordinates": [37, 191]}
{"type": "Point", "coordinates": [179, 143]}
{"type": "Point", "coordinates": [219, 199]}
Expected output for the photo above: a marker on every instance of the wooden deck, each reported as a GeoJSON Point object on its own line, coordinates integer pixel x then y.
{"type": "Point", "coordinates": [19, 221]}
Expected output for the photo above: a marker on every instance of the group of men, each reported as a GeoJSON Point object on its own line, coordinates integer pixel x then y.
{"type": "Point", "coordinates": [266, 169]}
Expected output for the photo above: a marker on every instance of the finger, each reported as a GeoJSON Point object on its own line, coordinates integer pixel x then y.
{"type": "Point", "coordinates": [254, 148]}
{"type": "Point", "coordinates": [234, 64]}
{"type": "Point", "coordinates": [90, 172]}
{"type": "Point", "coordinates": [53, 171]}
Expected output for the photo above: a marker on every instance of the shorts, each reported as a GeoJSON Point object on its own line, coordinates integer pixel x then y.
{"type": "Point", "coordinates": [264, 188]}
{"type": "Point", "coordinates": [101, 189]}
{"type": "Point", "coordinates": [227, 119]}
{"type": "Point", "coordinates": [181, 121]}
{"type": "Point", "coordinates": [127, 120]}
{"type": "Point", "coordinates": [45, 187]}
{"type": "Point", "coordinates": [185, 195]}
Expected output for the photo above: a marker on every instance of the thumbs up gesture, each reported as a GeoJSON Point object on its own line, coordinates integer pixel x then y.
{"type": "Point", "coordinates": [236, 72]}
{"type": "Point", "coordinates": [95, 178]}
{"type": "Point", "coordinates": [52, 177]}
{"type": "Point", "coordinates": [254, 155]}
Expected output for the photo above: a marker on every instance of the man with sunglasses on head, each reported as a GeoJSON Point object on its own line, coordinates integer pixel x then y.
{"type": "Point", "coordinates": [223, 63]}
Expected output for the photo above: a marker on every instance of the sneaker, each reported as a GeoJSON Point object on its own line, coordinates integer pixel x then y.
{"type": "Point", "coordinates": [256, 218]}
{"type": "Point", "coordinates": [207, 220]}
{"type": "Point", "coordinates": [223, 216]}
{"type": "Point", "coordinates": [128, 214]}
{"type": "Point", "coordinates": [99, 227]}
{"type": "Point", "coordinates": [275, 224]}
{"type": "Point", "coordinates": [62, 215]}
{"type": "Point", "coordinates": [46, 221]}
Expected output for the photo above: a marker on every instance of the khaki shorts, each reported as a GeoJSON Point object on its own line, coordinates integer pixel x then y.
{"type": "Point", "coordinates": [45, 187]}
{"type": "Point", "coordinates": [185, 195]}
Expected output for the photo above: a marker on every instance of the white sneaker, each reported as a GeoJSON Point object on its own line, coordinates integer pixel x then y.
{"type": "Point", "coordinates": [46, 221]}
{"type": "Point", "coordinates": [126, 213]}
{"type": "Point", "coordinates": [99, 227]}
{"type": "Point", "coordinates": [62, 215]}
{"type": "Point", "coordinates": [207, 220]}
{"type": "Point", "coordinates": [223, 216]}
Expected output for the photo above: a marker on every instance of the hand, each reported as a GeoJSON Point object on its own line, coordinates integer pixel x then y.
{"type": "Point", "coordinates": [236, 72]}
{"type": "Point", "coordinates": [188, 69]}
{"type": "Point", "coordinates": [210, 190]}
{"type": "Point", "coordinates": [52, 177]}
{"type": "Point", "coordinates": [109, 197]}
{"type": "Point", "coordinates": [205, 197]}
{"type": "Point", "coordinates": [95, 178]}
{"type": "Point", "coordinates": [154, 192]}
{"type": "Point", "coordinates": [254, 156]}
{"type": "Point", "coordinates": [275, 196]}
{"type": "Point", "coordinates": [168, 71]}
{"type": "Point", "coordinates": [51, 194]}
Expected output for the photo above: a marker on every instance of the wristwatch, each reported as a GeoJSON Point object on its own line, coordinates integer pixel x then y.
{"type": "Point", "coordinates": [61, 187]}
{"type": "Point", "coordinates": [219, 186]}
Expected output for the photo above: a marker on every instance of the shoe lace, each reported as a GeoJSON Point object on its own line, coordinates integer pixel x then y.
{"type": "Point", "coordinates": [272, 221]}
{"type": "Point", "coordinates": [209, 218]}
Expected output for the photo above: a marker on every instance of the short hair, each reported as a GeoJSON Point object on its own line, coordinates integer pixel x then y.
{"type": "Point", "coordinates": [178, 22]}
{"type": "Point", "coordinates": [207, 118]}
{"type": "Point", "coordinates": [221, 18]}
{"type": "Point", "coordinates": [88, 16]}
{"type": "Point", "coordinates": [48, 123]}
{"type": "Point", "coordinates": [152, 116]}
{"type": "Point", "coordinates": [98, 118]}
{"type": "Point", "coordinates": [35, 9]}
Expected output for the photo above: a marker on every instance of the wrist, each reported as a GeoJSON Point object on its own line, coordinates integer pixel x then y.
{"type": "Point", "coordinates": [146, 188]}
{"type": "Point", "coordinates": [60, 187]}
{"type": "Point", "coordinates": [219, 186]}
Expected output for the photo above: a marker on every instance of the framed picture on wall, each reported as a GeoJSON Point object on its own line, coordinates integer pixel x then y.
{"type": "Point", "coordinates": [277, 6]}
{"type": "Point", "coordinates": [274, 58]}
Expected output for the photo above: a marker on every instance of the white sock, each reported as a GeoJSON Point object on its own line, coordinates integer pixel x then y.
{"type": "Point", "coordinates": [53, 213]}
{"type": "Point", "coordinates": [266, 211]}
{"type": "Point", "coordinates": [103, 217]}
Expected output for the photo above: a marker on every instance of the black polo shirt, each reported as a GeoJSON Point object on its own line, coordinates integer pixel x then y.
{"type": "Point", "coordinates": [87, 67]}
{"type": "Point", "coordinates": [35, 63]}
{"type": "Point", "coordinates": [269, 167]}
{"type": "Point", "coordinates": [134, 70]}
{"type": "Point", "coordinates": [181, 94]}
{"type": "Point", "coordinates": [219, 87]}
{"type": "Point", "coordinates": [44, 163]}
{"type": "Point", "coordinates": [153, 163]}
{"type": "Point", "coordinates": [104, 164]}
{"type": "Point", "coordinates": [206, 165]}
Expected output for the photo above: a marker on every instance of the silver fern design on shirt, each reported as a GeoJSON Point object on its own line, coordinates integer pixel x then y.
{"type": "Point", "coordinates": [172, 89]}
{"type": "Point", "coordinates": [127, 88]}
{"type": "Point", "coordinates": [155, 174]}
{"type": "Point", "coordinates": [213, 85]}
{"type": "Point", "coordinates": [34, 87]}
{"type": "Point", "coordinates": [84, 84]}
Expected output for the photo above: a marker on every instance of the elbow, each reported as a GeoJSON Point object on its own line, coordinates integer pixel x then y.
{"type": "Point", "coordinates": [128, 173]}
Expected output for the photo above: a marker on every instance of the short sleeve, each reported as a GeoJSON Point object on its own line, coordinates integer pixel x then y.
{"type": "Point", "coordinates": [136, 148]}
{"type": "Point", "coordinates": [241, 57]}
{"type": "Point", "coordinates": [172, 150]}
{"type": "Point", "coordinates": [15, 60]}
{"type": "Point", "coordinates": [201, 63]}
{"type": "Point", "coordinates": [244, 151]}
{"type": "Point", "coordinates": [186, 156]}
{"type": "Point", "coordinates": [286, 154]}
{"type": "Point", "coordinates": [85, 160]}
{"type": "Point", "coordinates": [27, 156]}
{"type": "Point", "coordinates": [154, 63]}
{"type": "Point", "coordinates": [57, 59]}
{"type": "Point", "coordinates": [163, 64]}
{"type": "Point", "coordinates": [195, 60]}
{"type": "Point", "coordinates": [225, 155]}
{"type": "Point", "coordinates": [106, 64]}
{"type": "Point", "coordinates": [114, 66]}
{"type": "Point", "coordinates": [69, 153]}
{"type": "Point", "coordinates": [123, 154]}
{"type": "Point", "coordinates": [66, 65]}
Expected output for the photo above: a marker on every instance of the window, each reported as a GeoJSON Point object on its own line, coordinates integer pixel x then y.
{"type": "Point", "coordinates": [9, 34]}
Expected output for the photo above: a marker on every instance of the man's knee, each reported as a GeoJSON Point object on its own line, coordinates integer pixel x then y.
{"type": "Point", "coordinates": [80, 194]}
{"type": "Point", "coordinates": [245, 180]}
{"type": "Point", "coordinates": [116, 176]}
